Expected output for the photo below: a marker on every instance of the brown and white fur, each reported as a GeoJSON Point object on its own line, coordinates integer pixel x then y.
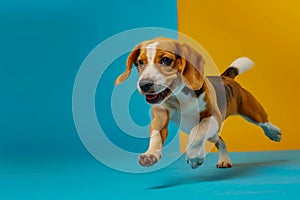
{"type": "Point", "coordinates": [171, 77]}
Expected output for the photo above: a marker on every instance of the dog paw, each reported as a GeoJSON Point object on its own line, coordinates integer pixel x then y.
{"type": "Point", "coordinates": [194, 162]}
{"type": "Point", "coordinates": [272, 131]}
{"type": "Point", "coordinates": [224, 161]}
{"type": "Point", "coordinates": [195, 157]}
{"type": "Point", "coordinates": [224, 164]}
{"type": "Point", "coordinates": [274, 135]}
{"type": "Point", "coordinates": [148, 159]}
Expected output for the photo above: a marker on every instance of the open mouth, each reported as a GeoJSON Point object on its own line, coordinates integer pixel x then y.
{"type": "Point", "coordinates": [156, 98]}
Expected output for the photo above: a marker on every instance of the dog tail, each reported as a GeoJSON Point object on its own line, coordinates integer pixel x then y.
{"type": "Point", "coordinates": [238, 67]}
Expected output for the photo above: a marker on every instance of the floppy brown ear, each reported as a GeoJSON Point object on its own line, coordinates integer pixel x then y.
{"type": "Point", "coordinates": [130, 60]}
{"type": "Point", "coordinates": [193, 71]}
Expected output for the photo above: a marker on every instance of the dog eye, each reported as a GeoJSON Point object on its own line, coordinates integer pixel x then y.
{"type": "Point", "coordinates": [166, 61]}
{"type": "Point", "coordinates": [140, 62]}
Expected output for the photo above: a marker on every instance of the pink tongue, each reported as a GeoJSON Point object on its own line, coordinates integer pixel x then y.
{"type": "Point", "coordinates": [151, 97]}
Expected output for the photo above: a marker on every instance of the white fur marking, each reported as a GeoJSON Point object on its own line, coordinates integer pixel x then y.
{"type": "Point", "coordinates": [153, 74]}
{"type": "Point", "coordinates": [151, 71]}
{"type": "Point", "coordinates": [242, 64]}
{"type": "Point", "coordinates": [272, 131]}
{"type": "Point", "coordinates": [151, 51]}
{"type": "Point", "coordinates": [155, 144]}
{"type": "Point", "coordinates": [155, 139]}
{"type": "Point", "coordinates": [155, 132]}
{"type": "Point", "coordinates": [187, 115]}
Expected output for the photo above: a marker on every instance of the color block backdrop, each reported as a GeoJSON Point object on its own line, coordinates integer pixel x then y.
{"type": "Point", "coordinates": [268, 33]}
{"type": "Point", "coordinates": [42, 45]}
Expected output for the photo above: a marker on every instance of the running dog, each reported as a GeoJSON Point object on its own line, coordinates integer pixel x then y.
{"type": "Point", "coordinates": [171, 77]}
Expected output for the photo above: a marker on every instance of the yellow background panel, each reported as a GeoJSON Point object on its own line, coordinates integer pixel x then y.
{"type": "Point", "coordinates": [268, 32]}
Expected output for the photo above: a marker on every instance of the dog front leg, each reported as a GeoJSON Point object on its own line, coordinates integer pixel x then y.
{"type": "Point", "coordinates": [158, 135]}
{"type": "Point", "coordinates": [195, 152]}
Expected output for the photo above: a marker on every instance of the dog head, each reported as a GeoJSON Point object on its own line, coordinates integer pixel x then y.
{"type": "Point", "coordinates": [164, 66]}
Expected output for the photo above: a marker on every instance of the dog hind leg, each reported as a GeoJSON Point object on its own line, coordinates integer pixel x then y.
{"type": "Point", "coordinates": [253, 112]}
{"type": "Point", "coordinates": [224, 160]}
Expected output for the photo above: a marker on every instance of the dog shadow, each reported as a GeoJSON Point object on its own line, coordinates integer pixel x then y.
{"type": "Point", "coordinates": [237, 171]}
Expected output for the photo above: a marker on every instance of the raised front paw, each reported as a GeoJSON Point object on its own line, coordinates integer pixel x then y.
{"type": "Point", "coordinates": [149, 159]}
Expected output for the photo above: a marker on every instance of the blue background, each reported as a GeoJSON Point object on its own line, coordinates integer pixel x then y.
{"type": "Point", "coordinates": [42, 44]}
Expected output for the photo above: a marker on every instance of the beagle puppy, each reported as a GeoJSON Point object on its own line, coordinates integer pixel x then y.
{"type": "Point", "coordinates": [171, 77]}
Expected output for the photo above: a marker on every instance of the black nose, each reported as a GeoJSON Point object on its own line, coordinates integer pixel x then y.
{"type": "Point", "coordinates": [146, 85]}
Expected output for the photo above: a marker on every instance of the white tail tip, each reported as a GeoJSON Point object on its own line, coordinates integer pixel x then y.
{"type": "Point", "coordinates": [242, 64]}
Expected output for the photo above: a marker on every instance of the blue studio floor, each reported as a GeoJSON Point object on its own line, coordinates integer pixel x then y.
{"type": "Point", "coordinates": [257, 175]}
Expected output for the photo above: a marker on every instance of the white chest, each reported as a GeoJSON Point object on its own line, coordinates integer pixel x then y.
{"type": "Point", "coordinates": [186, 112]}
